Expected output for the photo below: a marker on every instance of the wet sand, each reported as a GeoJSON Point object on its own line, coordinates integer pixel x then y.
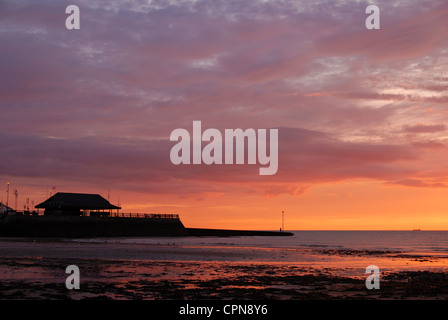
{"type": "Point", "coordinates": [123, 271]}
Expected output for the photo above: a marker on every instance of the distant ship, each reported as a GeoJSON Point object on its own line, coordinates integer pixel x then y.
{"type": "Point", "coordinates": [76, 215]}
{"type": "Point", "coordinates": [416, 230]}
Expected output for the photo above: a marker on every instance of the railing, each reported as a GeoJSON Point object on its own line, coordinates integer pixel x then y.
{"type": "Point", "coordinates": [145, 215]}
{"type": "Point", "coordinates": [106, 214]}
{"type": "Point", "coordinates": [24, 213]}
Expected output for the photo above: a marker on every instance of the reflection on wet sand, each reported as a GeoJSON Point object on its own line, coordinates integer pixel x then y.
{"type": "Point", "coordinates": [127, 271]}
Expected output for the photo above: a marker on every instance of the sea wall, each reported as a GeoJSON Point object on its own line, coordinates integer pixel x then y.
{"type": "Point", "coordinates": [65, 226]}
{"type": "Point", "coordinates": [80, 227]}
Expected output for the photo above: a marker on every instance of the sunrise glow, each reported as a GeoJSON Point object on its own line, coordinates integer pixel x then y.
{"type": "Point", "coordinates": [361, 114]}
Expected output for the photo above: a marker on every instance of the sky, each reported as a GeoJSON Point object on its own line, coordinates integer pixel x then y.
{"type": "Point", "coordinates": [362, 115]}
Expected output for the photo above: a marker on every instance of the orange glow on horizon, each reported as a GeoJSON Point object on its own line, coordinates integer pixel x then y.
{"type": "Point", "coordinates": [344, 206]}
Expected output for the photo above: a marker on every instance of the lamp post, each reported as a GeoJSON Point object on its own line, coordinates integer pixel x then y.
{"type": "Point", "coordinates": [16, 194]}
{"type": "Point", "coordinates": [7, 195]}
{"type": "Point", "coordinates": [283, 220]}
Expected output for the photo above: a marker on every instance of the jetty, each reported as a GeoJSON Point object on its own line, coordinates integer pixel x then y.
{"type": "Point", "coordinates": [79, 215]}
{"type": "Point", "coordinates": [198, 232]}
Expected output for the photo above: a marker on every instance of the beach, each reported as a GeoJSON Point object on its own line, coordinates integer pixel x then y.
{"type": "Point", "coordinates": [218, 268]}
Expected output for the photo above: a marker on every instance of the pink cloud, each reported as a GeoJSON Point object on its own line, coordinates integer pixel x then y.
{"type": "Point", "coordinates": [398, 39]}
{"type": "Point", "coordinates": [422, 128]}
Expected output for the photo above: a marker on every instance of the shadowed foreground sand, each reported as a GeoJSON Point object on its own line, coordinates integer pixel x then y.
{"type": "Point", "coordinates": [113, 270]}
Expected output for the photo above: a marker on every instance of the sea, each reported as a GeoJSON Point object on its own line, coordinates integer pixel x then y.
{"type": "Point", "coordinates": [417, 242]}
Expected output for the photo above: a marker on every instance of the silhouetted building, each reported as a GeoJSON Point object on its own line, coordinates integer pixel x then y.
{"type": "Point", "coordinates": [4, 208]}
{"type": "Point", "coordinates": [76, 204]}
{"type": "Point", "coordinates": [77, 215]}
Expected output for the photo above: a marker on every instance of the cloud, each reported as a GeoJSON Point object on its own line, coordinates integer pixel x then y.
{"type": "Point", "coordinates": [419, 183]}
{"type": "Point", "coordinates": [401, 37]}
{"type": "Point", "coordinates": [305, 158]}
{"type": "Point", "coordinates": [294, 190]}
{"type": "Point", "coordinates": [421, 128]}
{"type": "Point", "coordinates": [98, 105]}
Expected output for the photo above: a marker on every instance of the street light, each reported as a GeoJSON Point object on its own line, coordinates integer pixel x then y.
{"type": "Point", "coordinates": [7, 196]}
{"type": "Point", "coordinates": [16, 194]}
{"type": "Point", "coordinates": [283, 220]}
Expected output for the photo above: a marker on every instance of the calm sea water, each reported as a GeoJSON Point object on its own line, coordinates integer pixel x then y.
{"type": "Point", "coordinates": [407, 241]}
